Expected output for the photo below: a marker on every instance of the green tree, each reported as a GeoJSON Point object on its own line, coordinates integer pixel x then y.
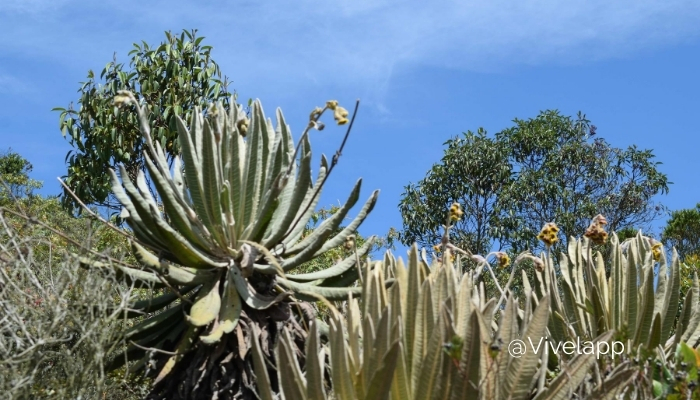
{"type": "Point", "coordinates": [472, 172]}
{"type": "Point", "coordinates": [22, 206]}
{"type": "Point", "coordinates": [172, 78]}
{"type": "Point", "coordinates": [682, 231]}
{"type": "Point", "coordinates": [15, 182]}
{"type": "Point", "coordinates": [549, 168]}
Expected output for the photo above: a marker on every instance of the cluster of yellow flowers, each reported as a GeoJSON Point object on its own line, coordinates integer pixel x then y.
{"type": "Point", "coordinates": [548, 234]}
{"type": "Point", "coordinates": [438, 250]}
{"type": "Point", "coordinates": [456, 212]}
{"type": "Point", "coordinates": [503, 259]}
{"type": "Point", "coordinates": [656, 250]}
{"type": "Point", "coordinates": [595, 232]}
{"type": "Point", "coordinates": [316, 114]}
{"type": "Point", "coordinates": [349, 242]}
{"type": "Point", "coordinates": [339, 113]}
{"type": "Point", "coordinates": [242, 126]}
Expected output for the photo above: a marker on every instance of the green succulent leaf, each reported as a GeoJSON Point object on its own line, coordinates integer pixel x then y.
{"type": "Point", "coordinates": [183, 347]}
{"type": "Point", "coordinates": [338, 268]}
{"type": "Point", "coordinates": [207, 305]}
{"type": "Point", "coordinates": [229, 313]}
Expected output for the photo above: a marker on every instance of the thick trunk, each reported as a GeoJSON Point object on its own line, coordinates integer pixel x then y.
{"type": "Point", "coordinates": [225, 371]}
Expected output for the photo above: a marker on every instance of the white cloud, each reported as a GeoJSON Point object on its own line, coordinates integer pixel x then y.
{"type": "Point", "coordinates": [362, 42]}
{"type": "Point", "coordinates": [368, 38]}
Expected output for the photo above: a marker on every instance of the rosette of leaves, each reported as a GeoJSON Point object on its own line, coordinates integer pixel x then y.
{"type": "Point", "coordinates": [636, 295]}
{"type": "Point", "coordinates": [226, 245]}
{"type": "Point", "coordinates": [433, 335]}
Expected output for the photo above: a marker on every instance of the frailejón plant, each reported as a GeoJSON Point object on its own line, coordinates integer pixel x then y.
{"type": "Point", "coordinates": [222, 231]}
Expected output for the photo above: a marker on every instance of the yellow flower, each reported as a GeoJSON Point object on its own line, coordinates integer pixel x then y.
{"type": "Point", "coordinates": [656, 251]}
{"type": "Point", "coordinates": [595, 231]}
{"type": "Point", "coordinates": [456, 212]}
{"type": "Point", "coordinates": [242, 126]}
{"type": "Point", "coordinates": [548, 234]}
{"type": "Point", "coordinates": [340, 114]}
{"type": "Point", "coordinates": [332, 104]}
{"type": "Point", "coordinates": [437, 248]}
{"type": "Point", "coordinates": [315, 113]}
{"type": "Point", "coordinates": [503, 259]}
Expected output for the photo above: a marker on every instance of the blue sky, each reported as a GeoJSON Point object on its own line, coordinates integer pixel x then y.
{"type": "Point", "coordinates": [425, 72]}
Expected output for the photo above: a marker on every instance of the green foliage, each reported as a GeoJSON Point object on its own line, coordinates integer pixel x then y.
{"type": "Point", "coordinates": [347, 249]}
{"type": "Point", "coordinates": [50, 347]}
{"type": "Point", "coordinates": [30, 217]}
{"type": "Point", "coordinates": [47, 227]}
{"type": "Point", "coordinates": [689, 267]}
{"type": "Point", "coordinates": [58, 320]}
{"type": "Point", "coordinates": [172, 78]}
{"type": "Point", "coordinates": [15, 182]}
{"type": "Point", "coordinates": [472, 172]}
{"type": "Point", "coordinates": [679, 380]}
{"type": "Point", "coordinates": [545, 169]}
{"type": "Point", "coordinates": [626, 233]}
{"type": "Point", "coordinates": [682, 231]}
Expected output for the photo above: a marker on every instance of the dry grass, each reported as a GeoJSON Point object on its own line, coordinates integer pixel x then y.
{"type": "Point", "coordinates": [56, 322]}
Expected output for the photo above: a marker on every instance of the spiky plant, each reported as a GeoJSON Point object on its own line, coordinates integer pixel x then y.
{"type": "Point", "coordinates": [638, 298]}
{"type": "Point", "coordinates": [433, 335]}
{"type": "Point", "coordinates": [636, 295]}
{"type": "Point", "coordinates": [225, 246]}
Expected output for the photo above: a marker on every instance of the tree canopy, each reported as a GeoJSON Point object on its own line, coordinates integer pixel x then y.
{"type": "Point", "coordinates": [172, 78]}
{"type": "Point", "coordinates": [15, 182]}
{"type": "Point", "coordinates": [682, 231]}
{"type": "Point", "coordinates": [20, 206]}
{"type": "Point", "coordinates": [473, 180]}
{"type": "Point", "coordinates": [548, 168]}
